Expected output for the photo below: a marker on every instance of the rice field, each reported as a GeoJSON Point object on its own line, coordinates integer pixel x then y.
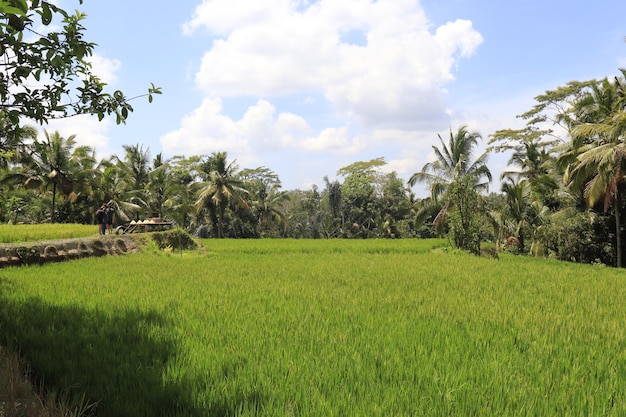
{"type": "Point", "coordinates": [323, 328]}
{"type": "Point", "coordinates": [36, 232]}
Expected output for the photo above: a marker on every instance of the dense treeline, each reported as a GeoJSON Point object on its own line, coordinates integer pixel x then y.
{"type": "Point", "coordinates": [560, 197]}
{"type": "Point", "coordinates": [54, 180]}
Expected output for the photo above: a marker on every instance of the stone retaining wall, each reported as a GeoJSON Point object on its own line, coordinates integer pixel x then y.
{"type": "Point", "coordinates": [67, 249]}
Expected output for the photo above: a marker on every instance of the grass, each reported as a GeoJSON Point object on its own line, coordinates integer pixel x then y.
{"type": "Point", "coordinates": [36, 232]}
{"type": "Point", "coordinates": [19, 398]}
{"type": "Point", "coordinates": [323, 328]}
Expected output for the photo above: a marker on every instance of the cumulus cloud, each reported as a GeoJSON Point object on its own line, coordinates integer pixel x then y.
{"type": "Point", "coordinates": [376, 69]}
{"type": "Point", "coordinates": [106, 69]}
{"type": "Point", "coordinates": [87, 129]}
{"type": "Point", "coordinates": [330, 139]}
{"type": "Point", "coordinates": [279, 47]}
{"type": "Point", "coordinates": [260, 129]}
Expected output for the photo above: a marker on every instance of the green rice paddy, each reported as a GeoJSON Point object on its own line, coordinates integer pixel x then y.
{"type": "Point", "coordinates": [323, 328]}
{"type": "Point", "coordinates": [36, 232]}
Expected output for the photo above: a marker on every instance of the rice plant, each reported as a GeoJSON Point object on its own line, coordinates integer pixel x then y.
{"type": "Point", "coordinates": [323, 328]}
{"type": "Point", "coordinates": [10, 233]}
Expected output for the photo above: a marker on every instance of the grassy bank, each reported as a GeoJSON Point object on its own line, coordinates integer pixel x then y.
{"type": "Point", "coordinates": [322, 328]}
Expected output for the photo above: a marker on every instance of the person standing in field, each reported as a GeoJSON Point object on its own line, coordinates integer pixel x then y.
{"type": "Point", "coordinates": [101, 219]}
{"type": "Point", "coordinates": [110, 217]}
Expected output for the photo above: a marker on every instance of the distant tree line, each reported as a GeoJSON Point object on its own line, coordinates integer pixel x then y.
{"type": "Point", "coordinates": [561, 196]}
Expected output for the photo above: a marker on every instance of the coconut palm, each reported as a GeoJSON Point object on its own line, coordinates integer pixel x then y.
{"type": "Point", "coordinates": [53, 161]}
{"type": "Point", "coordinates": [113, 188]}
{"type": "Point", "coordinates": [13, 144]}
{"type": "Point", "coordinates": [131, 177]}
{"type": "Point", "coordinates": [454, 163]}
{"type": "Point", "coordinates": [268, 200]}
{"type": "Point", "coordinates": [598, 151]}
{"type": "Point", "coordinates": [219, 188]}
{"type": "Point", "coordinates": [136, 163]}
{"type": "Point", "coordinates": [521, 214]}
{"type": "Point", "coordinates": [163, 189]}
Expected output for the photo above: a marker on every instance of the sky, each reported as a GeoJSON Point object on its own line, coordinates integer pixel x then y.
{"type": "Point", "coordinates": [306, 87]}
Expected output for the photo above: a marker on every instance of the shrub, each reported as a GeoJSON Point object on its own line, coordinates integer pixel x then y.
{"type": "Point", "coordinates": [176, 239]}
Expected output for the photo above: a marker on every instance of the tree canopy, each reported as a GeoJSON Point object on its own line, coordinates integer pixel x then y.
{"type": "Point", "coordinates": [45, 72]}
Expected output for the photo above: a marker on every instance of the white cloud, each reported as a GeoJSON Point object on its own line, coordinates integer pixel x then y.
{"type": "Point", "coordinates": [380, 66]}
{"type": "Point", "coordinates": [404, 167]}
{"type": "Point", "coordinates": [330, 139]}
{"type": "Point", "coordinates": [105, 68]}
{"type": "Point", "coordinates": [278, 47]}
{"type": "Point", "coordinates": [207, 129]}
{"type": "Point", "coordinates": [87, 129]}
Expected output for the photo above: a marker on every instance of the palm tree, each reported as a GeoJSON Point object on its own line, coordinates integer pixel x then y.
{"type": "Point", "coordinates": [132, 177]}
{"type": "Point", "coordinates": [53, 161]}
{"type": "Point", "coordinates": [598, 151]}
{"type": "Point", "coordinates": [163, 190]}
{"type": "Point", "coordinates": [453, 165]}
{"type": "Point", "coordinates": [136, 163]}
{"type": "Point", "coordinates": [113, 189]}
{"type": "Point", "coordinates": [333, 193]}
{"type": "Point", "coordinates": [219, 189]}
{"type": "Point", "coordinates": [12, 144]}
{"type": "Point", "coordinates": [521, 213]}
{"type": "Point", "coordinates": [534, 162]}
{"type": "Point", "coordinates": [268, 200]}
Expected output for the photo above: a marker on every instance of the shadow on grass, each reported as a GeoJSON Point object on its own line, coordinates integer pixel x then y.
{"type": "Point", "coordinates": [117, 359]}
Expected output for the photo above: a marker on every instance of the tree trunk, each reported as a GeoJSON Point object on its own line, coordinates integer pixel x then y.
{"type": "Point", "coordinates": [618, 231]}
{"type": "Point", "coordinates": [220, 222]}
{"type": "Point", "coordinates": [54, 197]}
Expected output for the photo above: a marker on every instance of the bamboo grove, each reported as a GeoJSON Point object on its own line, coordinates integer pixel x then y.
{"type": "Point", "coordinates": [561, 195]}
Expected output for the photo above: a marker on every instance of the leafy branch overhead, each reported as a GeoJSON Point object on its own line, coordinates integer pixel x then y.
{"type": "Point", "coordinates": [46, 76]}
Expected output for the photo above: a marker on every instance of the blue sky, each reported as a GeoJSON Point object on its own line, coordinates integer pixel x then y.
{"type": "Point", "coordinates": [307, 87]}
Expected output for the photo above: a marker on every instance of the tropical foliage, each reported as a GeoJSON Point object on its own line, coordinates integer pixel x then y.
{"type": "Point", "coordinates": [49, 76]}
{"type": "Point", "coordinates": [455, 181]}
{"type": "Point", "coordinates": [566, 170]}
{"type": "Point", "coordinates": [570, 185]}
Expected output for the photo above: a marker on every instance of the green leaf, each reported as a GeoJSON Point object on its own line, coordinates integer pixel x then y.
{"type": "Point", "coordinates": [10, 10]}
{"type": "Point", "coordinates": [46, 14]}
{"type": "Point", "coordinates": [22, 5]}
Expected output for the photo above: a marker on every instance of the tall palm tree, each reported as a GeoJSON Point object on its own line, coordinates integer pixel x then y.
{"type": "Point", "coordinates": [533, 160]}
{"type": "Point", "coordinates": [163, 190]}
{"type": "Point", "coordinates": [136, 163]}
{"type": "Point", "coordinates": [53, 161]}
{"type": "Point", "coordinates": [521, 213]}
{"type": "Point", "coordinates": [598, 152]}
{"type": "Point", "coordinates": [131, 175]}
{"type": "Point", "coordinates": [333, 193]}
{"type": "Point", "coordinates": [219, 188]}
{"type": "Point", "coordinates": [13, 144]}
{"type": "Point", "coordinates": [113, 188]}
{"type": "Point", "coordinates": [454, 163]}
{"type": "Point", "coordinates": [268, 200]}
